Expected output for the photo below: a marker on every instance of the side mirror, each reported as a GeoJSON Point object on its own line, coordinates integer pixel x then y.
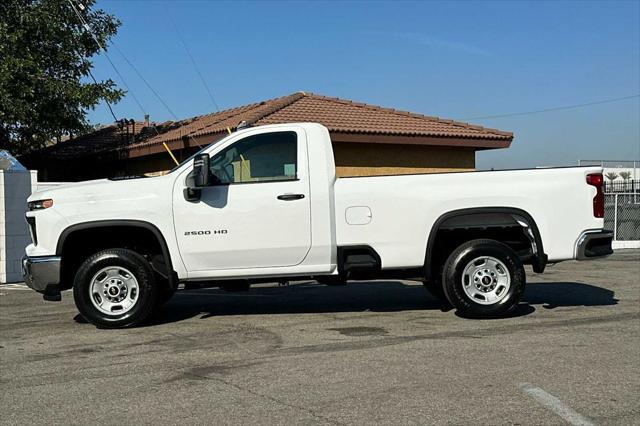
{"type": "Point", "coordinates": [201, 171]}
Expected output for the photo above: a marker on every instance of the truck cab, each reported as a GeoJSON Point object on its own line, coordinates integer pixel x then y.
{"type": "Point", "coordinates": [259, 210]}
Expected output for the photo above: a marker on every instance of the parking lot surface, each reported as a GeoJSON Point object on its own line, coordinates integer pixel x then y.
{"type": "Point", "coordinates": [370, 352]}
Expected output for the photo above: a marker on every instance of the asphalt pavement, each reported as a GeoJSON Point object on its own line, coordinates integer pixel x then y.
{"type": "Point", "coordinates": [380, 352]}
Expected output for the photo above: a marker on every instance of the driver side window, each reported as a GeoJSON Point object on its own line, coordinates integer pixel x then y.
{"type": "Point", "coordinates": [267, 157]}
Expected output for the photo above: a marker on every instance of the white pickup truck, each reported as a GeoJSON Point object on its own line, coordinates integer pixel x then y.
{"type": "Point", "coordinates": [264, 204]}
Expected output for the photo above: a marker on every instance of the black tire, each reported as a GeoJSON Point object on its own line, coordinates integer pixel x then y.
{"type": "Point", "coordinates": [454, 279]}
{"type": "Point", "coordinates": [147, 292]}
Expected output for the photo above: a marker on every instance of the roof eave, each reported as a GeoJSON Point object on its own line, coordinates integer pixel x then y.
{"type": "Point", "coordinates": [478, 143]}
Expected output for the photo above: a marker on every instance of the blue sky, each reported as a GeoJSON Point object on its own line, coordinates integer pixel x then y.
{"type": "Point", "coordinates": [456, 59]}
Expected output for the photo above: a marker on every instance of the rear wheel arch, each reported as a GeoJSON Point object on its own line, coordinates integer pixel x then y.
{"type": "Point", "coordinates": [479, 218]}
{"type": "Point", "coordinates": [74, 235]}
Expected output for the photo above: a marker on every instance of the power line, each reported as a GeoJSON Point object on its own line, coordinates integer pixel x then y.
{"type": "Point", "coordinates": [513, 114]}
{"type": "Point", "coordinates": [106, 101]}
{"type": "Point", "coordinates": [193, 61]}
{"type": "Point", "coordinates": [144, 80]}
{"type": "Point", "coordinates": [90, 31]}
{"type": "Point", "coordinates": [157, 95]}
{"type": "Point", "coordinates": [88, 28]}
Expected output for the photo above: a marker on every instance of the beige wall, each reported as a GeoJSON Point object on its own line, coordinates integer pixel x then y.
{"type": "Point", "coordinates": [361, 159]}
{"type": "Point", "coordinates": [357, 159]}
{"type": "Point", "coordinates": [150, 164]}
{"type": "Point", "coordinates": [154, 164]}
{"type": "Point", "coordinates": [372, 159]}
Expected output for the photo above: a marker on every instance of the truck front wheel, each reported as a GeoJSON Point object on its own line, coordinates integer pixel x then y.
{"type": "Point", "coordinates": [483, 279]}
{"type": "Point", "coordinates": [115, 288]}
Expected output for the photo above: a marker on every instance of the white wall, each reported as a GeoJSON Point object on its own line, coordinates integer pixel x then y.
{"type": "Point", "coordinates": [15, 187]}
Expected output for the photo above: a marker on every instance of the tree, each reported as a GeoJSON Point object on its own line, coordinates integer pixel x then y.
{"type": "Point", "coordinates": [625, 175]}
{"type": "Point", "coordinates": [46, 86]}
{"type": "Point", "coordinates": [611, 176]}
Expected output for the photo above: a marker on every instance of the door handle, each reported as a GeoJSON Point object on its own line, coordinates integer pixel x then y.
{"type": "Point", "coordinates": [290, 197]}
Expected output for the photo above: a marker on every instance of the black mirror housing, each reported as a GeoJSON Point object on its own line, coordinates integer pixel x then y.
{"type": "Point", "coordinates": [201, 171]}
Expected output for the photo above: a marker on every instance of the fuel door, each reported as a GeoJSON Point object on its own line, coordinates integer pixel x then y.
{"type": "Point", "coordinates": [358, 215]}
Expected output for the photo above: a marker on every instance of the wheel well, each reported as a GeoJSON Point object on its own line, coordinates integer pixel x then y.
{"type": "Point", "coordinates": [76, 244]}
{"type": "Point", "coordinates": [513, 227]}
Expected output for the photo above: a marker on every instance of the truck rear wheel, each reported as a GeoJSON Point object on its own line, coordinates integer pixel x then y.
{"type": "Point", "coordinates": [115, 288]}
{"type": "Point", "coordinates": [484, 279]}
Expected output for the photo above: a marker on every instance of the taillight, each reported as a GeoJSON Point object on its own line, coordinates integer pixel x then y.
{"type": "Point", "coordinates": [595, 179]}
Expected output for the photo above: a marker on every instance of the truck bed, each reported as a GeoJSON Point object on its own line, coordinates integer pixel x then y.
{"type": "Point", "coordinates": [558, 199]}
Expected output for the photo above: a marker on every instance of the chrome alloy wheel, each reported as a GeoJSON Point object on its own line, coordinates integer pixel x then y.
{"type": "Point", "coordinates": [486, 280]}
{"type": "Point", "coordinates": [114, 290]}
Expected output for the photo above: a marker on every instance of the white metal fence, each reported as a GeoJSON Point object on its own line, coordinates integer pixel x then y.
{"type": "Point", "coordinates": [622, 215]}
{"type": "Point", "coordinates": [616, 166]}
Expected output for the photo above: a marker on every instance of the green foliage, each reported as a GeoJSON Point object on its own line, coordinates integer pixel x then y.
{"type": "Point", "coordinates": [45, 63]}
{"type": "Point", "coordinates": [625, 175]}
{"type": "Point", "coordinates": [611, 176]}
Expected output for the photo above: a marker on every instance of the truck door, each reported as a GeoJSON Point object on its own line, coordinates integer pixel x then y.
{"type": "Point", "coordinates": [258, 214]}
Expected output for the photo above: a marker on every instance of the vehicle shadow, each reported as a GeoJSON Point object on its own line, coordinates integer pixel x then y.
{"type": "Point", "coordinates": [374, 296]}
{"type": "Point", "coordinates": [553, 295]}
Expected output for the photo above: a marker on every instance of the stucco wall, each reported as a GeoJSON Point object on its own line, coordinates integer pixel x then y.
{"type": "Point", "coordinates": [361, 159]}
{"type": "Point", "coordinates": [157, 162]}
{"type": "Point", "coordinates": [15, 187]}
{"type": "Point", "coordinates": [372, 159]}
{"type": "Point", "coordinates": [352, 159]}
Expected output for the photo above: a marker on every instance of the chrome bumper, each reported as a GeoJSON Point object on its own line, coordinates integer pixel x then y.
{"type": "Point", "coordinates": [594, 244]}
{"type": "Point", "coordinates": [41, 273]}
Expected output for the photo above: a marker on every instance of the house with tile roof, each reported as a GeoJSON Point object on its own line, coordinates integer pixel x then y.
{"type": "Point", "coordinates": [367, 140]}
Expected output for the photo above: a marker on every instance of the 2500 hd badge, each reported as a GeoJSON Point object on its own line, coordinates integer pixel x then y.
{"type": "Point", "coordinates": [217, 231]}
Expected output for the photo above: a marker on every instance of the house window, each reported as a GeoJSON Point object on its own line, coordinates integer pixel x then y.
{"type": "Point", "coordinates": [266, 157]}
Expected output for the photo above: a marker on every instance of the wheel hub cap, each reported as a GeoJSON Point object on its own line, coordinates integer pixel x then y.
{"type": "Point", "coordinates": [114, 290]}
{"type": "Point", "coordinates": [486, 280]}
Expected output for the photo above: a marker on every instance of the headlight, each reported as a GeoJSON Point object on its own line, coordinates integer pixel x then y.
{"type": "Point", "coordinates": [40, 204]}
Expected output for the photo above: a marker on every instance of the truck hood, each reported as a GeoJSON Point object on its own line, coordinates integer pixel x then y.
{"type": "Point", "coordinates": [104, 190]}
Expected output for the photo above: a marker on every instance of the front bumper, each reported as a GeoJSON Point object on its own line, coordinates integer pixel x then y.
{"type": "Point", "coordinates": [594, 244]}
{"type": "Point", "coordinates": [42, 273]}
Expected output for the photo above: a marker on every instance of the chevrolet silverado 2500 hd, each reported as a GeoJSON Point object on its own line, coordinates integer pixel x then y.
{"type": "Point", "coordinates": [264, 204]}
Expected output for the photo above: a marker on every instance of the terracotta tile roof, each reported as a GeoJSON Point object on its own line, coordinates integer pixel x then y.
{"type": "Point", "coordinates": [338, 115]}
{"type": "Point", "coordinates": [353, 117]}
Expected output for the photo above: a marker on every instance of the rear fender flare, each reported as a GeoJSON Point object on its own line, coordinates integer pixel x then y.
{"type": "Point", "coordinates": [518, 216]}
